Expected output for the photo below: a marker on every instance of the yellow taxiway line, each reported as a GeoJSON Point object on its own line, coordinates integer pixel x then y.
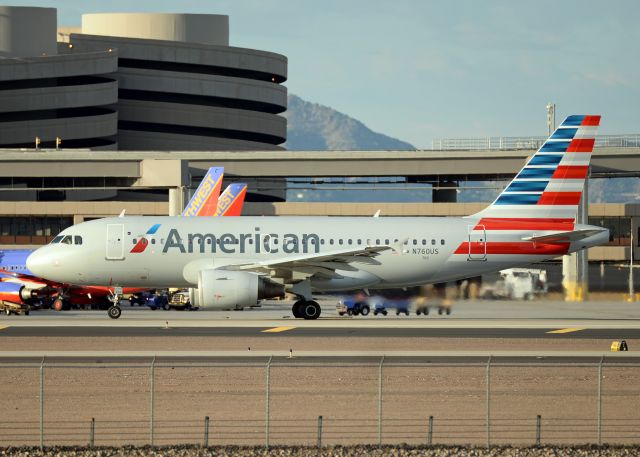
{"type": "Point", "coordinates": [277, 329]}
{"type": "Point", "coordinates": [566, 330]}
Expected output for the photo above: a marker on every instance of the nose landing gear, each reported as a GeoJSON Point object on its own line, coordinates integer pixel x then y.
{"type": "Point", "coordinates": [114, 311]}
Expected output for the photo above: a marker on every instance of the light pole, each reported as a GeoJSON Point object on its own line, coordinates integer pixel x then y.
{"type": "Point", "coordinates": [551, 117]}
{"type": "Point", "coordinates": [631, 288]}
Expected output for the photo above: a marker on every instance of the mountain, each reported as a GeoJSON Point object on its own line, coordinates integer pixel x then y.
{"type": "Point", "coordinates": [314, 127]}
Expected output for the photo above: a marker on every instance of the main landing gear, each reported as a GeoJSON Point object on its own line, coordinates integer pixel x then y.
{"type": "Point", "coordinates": [306, 309]}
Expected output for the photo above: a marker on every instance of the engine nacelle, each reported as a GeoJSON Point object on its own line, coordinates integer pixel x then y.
{"type": "Point", "coordinates": [224, 289]}
{"type": "Point", "coordinates": [16, 293]}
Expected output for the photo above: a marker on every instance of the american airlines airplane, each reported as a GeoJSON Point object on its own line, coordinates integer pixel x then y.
{"type": "Point", "coordinates": [235, 262]}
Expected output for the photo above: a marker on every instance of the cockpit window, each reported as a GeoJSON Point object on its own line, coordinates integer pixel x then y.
{"type": "Point", "coordinates": [56, 239]}
{"type": "Point", "coordinates": [67, 240]}
{"type": "Point", "coordinates": [77, 240]}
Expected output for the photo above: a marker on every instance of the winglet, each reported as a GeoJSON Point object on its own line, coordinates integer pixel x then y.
{"type": "Point", "coordinates": [122, 212]}
{"type": "Point", "coordinates": [377, 214]}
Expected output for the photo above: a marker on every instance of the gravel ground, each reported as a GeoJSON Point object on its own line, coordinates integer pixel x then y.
{"type": "Point", "coordinates": [401, 451]}
{"type": "Point", "coordinates": [277, 342]}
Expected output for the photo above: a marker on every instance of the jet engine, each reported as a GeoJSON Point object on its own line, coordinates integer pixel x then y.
{"type": "Point", "coordinates": [224, 289]}
{"type": "Point", "coordinates": [16, 293]}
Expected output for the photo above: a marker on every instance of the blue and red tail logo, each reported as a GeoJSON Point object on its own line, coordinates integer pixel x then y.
{"type": "Point", "coordinates": [143, 242]}
{"type": "Point", "coordinates": [231, 201]}
{"type": "Point", "coordinates": [205, 199]}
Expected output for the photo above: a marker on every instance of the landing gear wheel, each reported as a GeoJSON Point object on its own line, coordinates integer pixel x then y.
{"type": "Point", "coordinates": [114, 312]}
{"type": "Point", "coordinates": [58, 304]}
{"type": "Point", "coordinates": [310, 310]}
{"type": "Point", "coordinates": [295, 309]}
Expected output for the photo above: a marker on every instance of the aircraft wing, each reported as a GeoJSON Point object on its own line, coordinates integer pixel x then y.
{"type": "Point", "coordinates": [574, 235]}
{"type": "Point", "coordinates": [325, 263]}
{"type": "Point", "coordinates": [27, 278]}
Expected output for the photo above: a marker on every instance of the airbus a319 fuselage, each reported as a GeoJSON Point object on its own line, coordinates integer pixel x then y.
{"type": "Point", "coordinates": [234, 262]}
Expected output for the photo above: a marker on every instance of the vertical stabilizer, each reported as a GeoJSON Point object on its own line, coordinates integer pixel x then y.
{"type": "Point", "coordinates": [551, 183]}
{"type": "Point", "coordinates": [205, 198]}
{"type": "Point", "coordinates": [231, 201]}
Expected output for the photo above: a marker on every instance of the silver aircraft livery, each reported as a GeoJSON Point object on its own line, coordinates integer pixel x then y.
{"type": "Point", "coordinates": [233, 262]}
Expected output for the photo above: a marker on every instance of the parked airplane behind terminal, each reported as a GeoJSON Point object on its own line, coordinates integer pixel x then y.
{"type": "Point", "coordinates": [235, 262]}
{"type": "Point", "coordinates": [20, 286]}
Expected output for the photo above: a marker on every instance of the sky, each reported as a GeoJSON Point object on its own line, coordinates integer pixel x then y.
{"type": "Point", "coordinates": [421, 69]}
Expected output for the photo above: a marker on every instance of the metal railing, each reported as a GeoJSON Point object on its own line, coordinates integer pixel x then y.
{"type": "Point", "coordinates": [533, 142]}
{"type": "Point", "coordinates": [491, 417]}
{"type": "Point", "coordinates": [325, 431]}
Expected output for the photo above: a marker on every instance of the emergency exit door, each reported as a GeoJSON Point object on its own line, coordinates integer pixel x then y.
{"type": "Point", "coordinates": [477, 242]}
{"type": "Point", "coordinates": [115, 242]}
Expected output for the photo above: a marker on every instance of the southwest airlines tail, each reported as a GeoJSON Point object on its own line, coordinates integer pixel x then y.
{"type": "Point", "coordinates": [550, 185]}
{"type": "Point", "coordinates": [231, 201]}
{"type": "Point", "coordinates": [205, 198]}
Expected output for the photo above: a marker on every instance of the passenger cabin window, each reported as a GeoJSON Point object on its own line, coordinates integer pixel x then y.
{"type": "Point", "coordinates": [77, 240]}
{"type": "Point", "coordinates": [442, 242]}
{"type": "Point", "coordinates": [433, 242]}
{"type": "Point", "coordinates": [67, 240]}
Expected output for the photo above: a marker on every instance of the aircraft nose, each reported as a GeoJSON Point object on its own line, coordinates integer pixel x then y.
{"type": "Point", "coordinates": [39, 263]}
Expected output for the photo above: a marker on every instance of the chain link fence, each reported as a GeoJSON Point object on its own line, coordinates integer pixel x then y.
{"type": "Point", "coordinates": [318, 401]}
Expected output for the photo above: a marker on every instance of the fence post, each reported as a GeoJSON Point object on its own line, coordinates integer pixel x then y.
{"type": "Point", "coordinates": [538, 427]}
{"type": "Point", "coordinates": [489, 402]}
{"type": "Point", "coordinates": [42, 404]}
{"type": "Point", "coordinates": [206, 431]}
{"type": "Point", "coordinates": [430, 432]}
{"type": "Point", "coordinates": [267, 403]}
{"type": "Point", "coordinates": [152, 395]}
{"type": "Point", "coordinates": [92, 432]}
{"type": "Point", "coordinates": [319, 434]}
{"type": "Point", "coordinates": [600, 401]}
{"type": "Point", "coordinates": [380, 401]}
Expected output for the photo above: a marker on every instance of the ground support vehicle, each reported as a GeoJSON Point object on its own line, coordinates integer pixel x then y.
{"type": "Point", "coordinates": [379, 308]}
{"type": "Point", "coordinates": [158, 301]}
{"type": "Point", "coordinates": [180, 300]}
{"type": "Point", "coordinates": [518, 284]}
{"type": "Point", "coordinates": [14, 308]}
{"type": "Point", "coordinates": [352, 307]}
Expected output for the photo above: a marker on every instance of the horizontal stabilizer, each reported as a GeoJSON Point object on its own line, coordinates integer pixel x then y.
{"type": "Point", "coordinates": [574, 235]}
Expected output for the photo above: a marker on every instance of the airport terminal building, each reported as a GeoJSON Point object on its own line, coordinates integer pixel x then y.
{"type": "Point", "coordinates": [134, 81]}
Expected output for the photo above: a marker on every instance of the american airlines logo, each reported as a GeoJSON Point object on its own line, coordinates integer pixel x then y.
{"type": "Point", "coordinates": [143, 242]}
{"type": "Point", "coordinates": [229, 243]}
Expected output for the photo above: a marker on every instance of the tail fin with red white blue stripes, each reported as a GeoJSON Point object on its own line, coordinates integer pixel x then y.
{"type": "Point", "coordinates": [551, 183]}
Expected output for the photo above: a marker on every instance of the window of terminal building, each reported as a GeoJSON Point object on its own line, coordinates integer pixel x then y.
{"type": "Point", "coordinates": [619, 228]}
{"type": "Point", "coordinates": [32, 229]}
